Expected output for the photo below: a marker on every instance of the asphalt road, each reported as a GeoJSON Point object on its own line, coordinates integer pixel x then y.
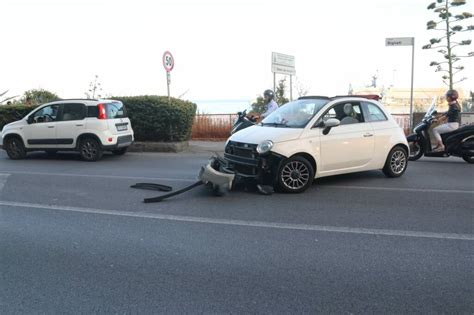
{"type": "Point", "coordinates": [74, 238]}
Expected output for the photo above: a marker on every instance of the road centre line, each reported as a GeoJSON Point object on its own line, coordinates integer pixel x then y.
{"type": "Point", "coordinates": [244, 223]}
{"type": "Point", "coordinates": [402, 189]}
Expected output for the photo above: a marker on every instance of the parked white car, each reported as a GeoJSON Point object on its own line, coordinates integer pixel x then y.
{"type": "Point", "coordinates": [315, 137]}
{"type": "Point", "coordinates": [88, 126]}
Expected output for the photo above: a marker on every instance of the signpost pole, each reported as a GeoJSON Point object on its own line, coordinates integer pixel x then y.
{"type": "Point", "coordinates": [274, 82]}
{"type": "Point", "coordinates": [168, 81]}
{"type": "Point", "coordinates": [406, 41]}
{"type": "Point", "coordinates": [168, 64]}
{"type": "Point", "coordinates": [412, 77]}
{"type": "Point", "coordinates": [291, 87]}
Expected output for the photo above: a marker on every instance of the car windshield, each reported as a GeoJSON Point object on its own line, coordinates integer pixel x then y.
{"type": "Point", "coordinates": [295, 114]}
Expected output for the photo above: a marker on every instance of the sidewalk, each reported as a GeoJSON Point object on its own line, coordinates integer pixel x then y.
{"type": "Point", "coordinates": [205, 147]}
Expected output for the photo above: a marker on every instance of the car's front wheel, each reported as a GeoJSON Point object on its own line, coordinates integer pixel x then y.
{"type": "Point", "coordinates": [15, 148]}
{"type": "Point", "coordinates": [396, 163]}
{"type": "Point", "coordinates": [90, 150]}
{"type": "Point", "coordinates": [296, 174]}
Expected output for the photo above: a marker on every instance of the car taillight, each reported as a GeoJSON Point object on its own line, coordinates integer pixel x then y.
{"type": "Point", "coordinates": [102, 113]}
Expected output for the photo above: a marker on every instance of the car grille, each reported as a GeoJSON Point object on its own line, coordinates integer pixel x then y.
{"type": "Point", "coordinates": [242, 157]}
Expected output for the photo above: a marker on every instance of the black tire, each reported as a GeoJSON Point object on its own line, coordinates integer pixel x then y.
{"type": "Point", "coordinates": [120, 151]}
{"type": "Point", "coordinates": [396, 163]}
{"type": "Point", "coordinates": [295, 175]}
{"type": "Point", "coordinates": [51, 152]}
{"type": "Point", "coordinates": [468, 159]}
{"type": "Point", "coordinates": [90, 150]}
{"type": "Point", "coordinates": [15, 148]}
{"type": "Point", "coordinates": [416, 151]}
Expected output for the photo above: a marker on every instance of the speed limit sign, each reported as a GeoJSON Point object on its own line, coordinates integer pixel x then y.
{"type": "Point", "coordinates": [168, 61]}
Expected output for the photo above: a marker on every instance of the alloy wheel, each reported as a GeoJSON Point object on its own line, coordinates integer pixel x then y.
{"type": "Point", "coordinates": [89, 150]}
{"type": "Point", "coordinates": [295, 175]}
{"type": "Point", "coordinates": [398, 162]}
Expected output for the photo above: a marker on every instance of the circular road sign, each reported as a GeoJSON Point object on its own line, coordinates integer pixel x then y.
{"type": "Point", "coordinates": [168, 61]}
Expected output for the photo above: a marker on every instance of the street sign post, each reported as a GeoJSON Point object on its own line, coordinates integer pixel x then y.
{"type": "Point", "coordinates": [168, 64]}
{"type": "Point", "coordinates": [406, 41]}
{"type": "Point", "coordinates": [283, 64]}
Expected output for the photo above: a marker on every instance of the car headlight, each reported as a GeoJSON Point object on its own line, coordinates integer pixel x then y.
{"type": "Point", "coordinates": [264, 147]}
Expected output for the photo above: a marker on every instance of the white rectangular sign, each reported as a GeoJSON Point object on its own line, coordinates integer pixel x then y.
{"type": "Point", "coordinates": [399, 41]}
{"type": "Point", "coordinates": [284, 64]}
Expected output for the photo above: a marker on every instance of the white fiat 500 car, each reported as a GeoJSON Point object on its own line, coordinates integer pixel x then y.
{"type": "Point", "coordinates": [87, 126]}
{"type": "Point", "coordinates": [315, 137]}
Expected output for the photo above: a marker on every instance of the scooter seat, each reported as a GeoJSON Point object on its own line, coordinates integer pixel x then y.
{"type": "Point", "coordinates": [459, 131]}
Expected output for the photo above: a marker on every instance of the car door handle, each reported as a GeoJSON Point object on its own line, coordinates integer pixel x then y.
{"type": "Point", "coordinates": [368, 135]}
{"type": "Point", "coordinates": [50, 126]}
{"type": "Point", "coordinates": [79, 125]}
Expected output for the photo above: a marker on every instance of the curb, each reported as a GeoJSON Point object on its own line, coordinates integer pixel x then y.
{"type": "Point", "coordinates": [173, 147]}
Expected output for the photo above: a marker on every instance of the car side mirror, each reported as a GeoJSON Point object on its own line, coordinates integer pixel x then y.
{"type": "Point", "coordinates": [329, 124]}
{"type": "Point", "coordinates": [30, 120]}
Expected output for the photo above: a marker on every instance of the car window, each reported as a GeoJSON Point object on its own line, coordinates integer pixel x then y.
{"type": "Point", "coordinates": [346, 112]}
{"type": "Point", "coordinates": [116, 110]}
{"type": "Point", "coordinates": [374, 113]}
{"type": "Point", "coordinates": [73, 111]}
{"type": "Point", "coordinates": [46, 114]}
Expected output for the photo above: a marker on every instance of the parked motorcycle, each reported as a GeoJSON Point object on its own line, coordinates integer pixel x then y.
{"type": "Point", "coordinates": [459, 142]}
{"type": "Point", "coordinates": [242, 122]}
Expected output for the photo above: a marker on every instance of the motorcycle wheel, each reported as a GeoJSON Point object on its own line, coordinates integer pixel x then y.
{"type": "Point", "coordinates": [416, 151]}
{"type": "Point", "coordinates": [468, 159]}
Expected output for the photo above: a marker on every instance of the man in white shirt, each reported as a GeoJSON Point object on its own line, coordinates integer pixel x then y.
{"type": "Point", "coordinates": [270, 104]}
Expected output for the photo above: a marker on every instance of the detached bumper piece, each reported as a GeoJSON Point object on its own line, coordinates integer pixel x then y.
{"type": "Point", "coordinates": [210, 175]}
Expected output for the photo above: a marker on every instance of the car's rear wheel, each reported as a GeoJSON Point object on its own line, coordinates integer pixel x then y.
{"type": "Point", "coordinates": [296, 174]}
{"type": "Point", "coordinates": [90, 150]}
{"type": "Point", "coordinates": [416, 150]}
{"type": "Point", "coordinates": [396, 163]}
{"type": "Point", "coordinates": [120, 151]}
{"type": "Point", "coordinates": [468, 159]}
{"type": "Point", "coordinates": [15, 148]}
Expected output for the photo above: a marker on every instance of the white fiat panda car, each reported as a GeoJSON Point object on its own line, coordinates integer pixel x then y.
{"type": "Point", "coordinates": [315, 137]}
{"type": "Point", "coordinates": [87, 126]}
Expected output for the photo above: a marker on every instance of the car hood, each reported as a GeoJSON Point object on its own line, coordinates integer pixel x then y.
{"type": "Point", "coordinates": [14, 124]}
{"type": "Point", "coordinates": [257, 134]}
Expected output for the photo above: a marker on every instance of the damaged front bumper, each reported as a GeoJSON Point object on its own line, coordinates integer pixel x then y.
{"type": "Point", "coordinates": [247, 165]}
{"type": "Point", "coordinates": [212, 174]}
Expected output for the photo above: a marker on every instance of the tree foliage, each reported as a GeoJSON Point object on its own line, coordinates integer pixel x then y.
{"type": "Point", "coordinates": [448, 45]}
{"type": "Point", "coordinates": [38, 97]}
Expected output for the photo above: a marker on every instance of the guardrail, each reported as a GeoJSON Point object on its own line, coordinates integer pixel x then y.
{"type": "Point", "coordinates": [218, 126]}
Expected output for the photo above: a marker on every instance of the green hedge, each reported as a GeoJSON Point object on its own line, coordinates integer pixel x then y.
{"type": "Point", "coordinates": [11, 113]}
{"type": "Point", "coordinates": [152, 117]}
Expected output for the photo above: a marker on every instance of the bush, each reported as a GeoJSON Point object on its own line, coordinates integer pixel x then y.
{"type": "Point", "coordinates": [11, 113]}
{"type": "Point", "coordinates": [154, 119]}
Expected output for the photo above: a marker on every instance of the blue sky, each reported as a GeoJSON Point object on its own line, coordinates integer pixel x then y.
{"type": "Point", "coordinates": [222, 48]}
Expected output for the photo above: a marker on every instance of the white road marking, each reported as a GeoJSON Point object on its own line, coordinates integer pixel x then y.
{"type": "Point", "coordinates": [102, 176]}
{"type": "Point", "coordinates": [3, 180]}
{"type": "Point", "coordinates": [261, 224]}
{"type": "Point", "coordinates": [404, 189]}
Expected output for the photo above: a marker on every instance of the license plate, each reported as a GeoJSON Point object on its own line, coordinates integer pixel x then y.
{"type": "Point", "coordinates": [122, 127]}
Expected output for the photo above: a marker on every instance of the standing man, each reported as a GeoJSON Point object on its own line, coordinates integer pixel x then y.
{"type": "Point", "coordinates": [270, 104]}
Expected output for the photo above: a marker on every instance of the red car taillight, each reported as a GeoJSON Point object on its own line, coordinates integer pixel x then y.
{"type": "Point", "coordinates": [102, 113]}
